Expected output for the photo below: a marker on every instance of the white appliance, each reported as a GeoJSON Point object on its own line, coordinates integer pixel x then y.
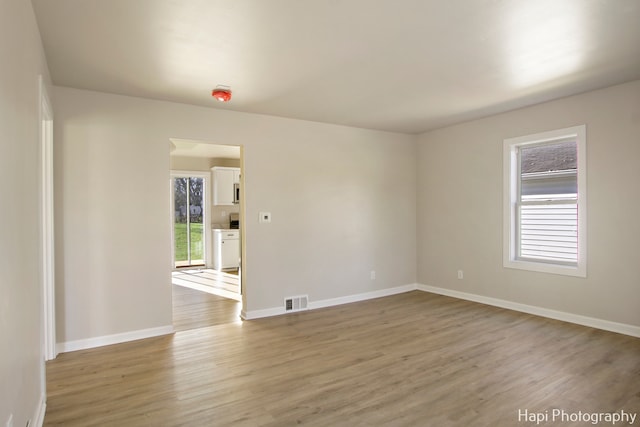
{"type": "Point", "coordinates": [226, 249]}
{"type": "Point", "coordinates": [236, 193]}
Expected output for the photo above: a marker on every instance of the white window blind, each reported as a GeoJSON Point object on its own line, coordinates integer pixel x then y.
{"type": "Point", "coordinates": [549, 231]}
{"type": "Point", "coordinates": [547, 202]}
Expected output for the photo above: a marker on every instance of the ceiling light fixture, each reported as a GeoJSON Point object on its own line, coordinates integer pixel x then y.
{"type": "Point", "coordinates": [222, 93]}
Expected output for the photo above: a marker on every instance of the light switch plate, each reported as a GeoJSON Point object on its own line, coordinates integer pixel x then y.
{"type": "Point", "coordinates": [265, 217]}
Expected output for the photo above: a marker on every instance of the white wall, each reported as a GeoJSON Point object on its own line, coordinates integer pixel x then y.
{"type": "Point", "coordinates": [112, 252]}
{"type": "Point", "coordinates": [342, 201]}
{"type": "Point", "coordinates": [201, 163]}
{"type": "Point", "coordinates": [21, 357]}
{"type": "Point", "coordinates": [190, 163]}
{"type": "Point", "coordinates": [460, 207]}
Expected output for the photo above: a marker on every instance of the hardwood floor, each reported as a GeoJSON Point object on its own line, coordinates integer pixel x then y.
{"type": "Point", "coordinates": [222, 283]}
{"type": "Point", "coordinates": [196, 309]}
{"type": "Point", "coordinates": [415, 359]}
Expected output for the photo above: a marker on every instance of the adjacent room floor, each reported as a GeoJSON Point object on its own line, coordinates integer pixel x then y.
{"type": "Point", "coordinates": [414, 359]}
{"type": "Point", "coordinates": [205, 297]}
{"type": "Point", "coordinates": [194, 309]}
{"type": "Point", "coordinates": [223, 283]}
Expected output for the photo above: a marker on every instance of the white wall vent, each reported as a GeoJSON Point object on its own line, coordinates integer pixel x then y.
{"type": "Point", "coordinates": [297, 303]}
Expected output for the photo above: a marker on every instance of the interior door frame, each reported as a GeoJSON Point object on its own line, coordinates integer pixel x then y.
{"type": "Point", "coordinates": [47, 248]}
{"type": "Point", "coordinates": [206, 229]}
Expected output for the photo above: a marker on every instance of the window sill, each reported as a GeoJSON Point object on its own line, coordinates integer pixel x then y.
{"type": "Point", "coordinates": [541, 267]}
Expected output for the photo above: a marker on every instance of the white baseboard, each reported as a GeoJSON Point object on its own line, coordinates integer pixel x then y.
{"type": "Point", "coordinates": [606, 325]}
{"type": "Point", "coordinates": [265, 312]}
{"type": "Point", "coordinates": [621, 328]}
{"type": "Point", "coordinates": [38, 416]}
{"type": "Point", "coordinates": [113, 339]}
{"type": "Point", "coordinates": [330, 302]}
{"type": "Point", "coordinates": [361, 297]}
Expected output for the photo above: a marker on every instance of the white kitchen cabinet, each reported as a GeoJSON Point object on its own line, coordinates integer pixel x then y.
{"type": "Point", "coordinates": [223, 180]}
{"type": "Point", "coordinates": [226, 249]}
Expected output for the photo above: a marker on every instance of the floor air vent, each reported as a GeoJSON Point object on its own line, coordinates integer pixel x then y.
{"type": "Point", "coordinates": [297, 303]}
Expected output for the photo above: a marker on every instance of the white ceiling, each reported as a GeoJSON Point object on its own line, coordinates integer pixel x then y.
{"type": "Point", "coordinates": [396, 65]}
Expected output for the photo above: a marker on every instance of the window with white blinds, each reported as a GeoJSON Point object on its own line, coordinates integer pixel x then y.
{"type": "Point", "coordinates": [545, 219]}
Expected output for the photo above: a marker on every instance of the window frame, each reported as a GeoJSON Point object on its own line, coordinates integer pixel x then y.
{"type": "Point", "coordinates": [511, 185]}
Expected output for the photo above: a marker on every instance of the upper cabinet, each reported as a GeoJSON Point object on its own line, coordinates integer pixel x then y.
{"type": "Point", "coordinates": [224, 179]}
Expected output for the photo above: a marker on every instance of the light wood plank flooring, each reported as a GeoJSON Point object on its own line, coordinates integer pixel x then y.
{"type": "Point", "coordinates": [222, 283]}
{"type": "Point", "coordinates": [196, 309]}
{"type": "Point", "coordinates": [414, 359]}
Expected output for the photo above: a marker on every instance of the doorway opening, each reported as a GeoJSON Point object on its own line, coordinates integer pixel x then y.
{"type": "Point", "coordinates": [206, 226]}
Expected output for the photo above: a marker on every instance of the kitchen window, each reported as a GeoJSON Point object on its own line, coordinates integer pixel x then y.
{"type": "Point", "coordinates": [545, 202]}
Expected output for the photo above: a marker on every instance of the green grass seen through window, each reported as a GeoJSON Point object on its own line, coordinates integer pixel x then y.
{"type": "Point", "coordinates": [180, 238]}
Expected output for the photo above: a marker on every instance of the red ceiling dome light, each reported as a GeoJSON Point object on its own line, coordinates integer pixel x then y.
{"type": "Point", "coordinates": [222, 93]}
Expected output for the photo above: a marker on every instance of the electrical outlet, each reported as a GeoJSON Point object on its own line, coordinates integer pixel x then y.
{"type": "Point", "coordinates": [460, 274]}
{"type": "Point", "coordinates": [373, 275]}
